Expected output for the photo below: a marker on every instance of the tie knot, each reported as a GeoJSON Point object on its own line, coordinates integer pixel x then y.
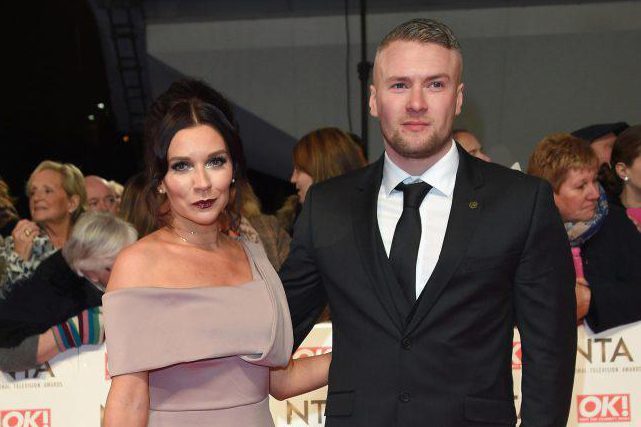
{"type": "Point", "coordinates": [413, 194]}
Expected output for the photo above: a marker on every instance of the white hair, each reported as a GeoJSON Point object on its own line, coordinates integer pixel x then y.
{"type": "Point", "coordinates": [96, 240]}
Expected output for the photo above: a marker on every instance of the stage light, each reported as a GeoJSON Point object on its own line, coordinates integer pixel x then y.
{"type": "Point", "coordinates": [101, 106]}
{"type": "Point", "coordinates": [91, 117]}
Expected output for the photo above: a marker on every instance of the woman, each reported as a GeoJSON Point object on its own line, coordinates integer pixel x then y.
{"type": "Point", "coordinates": [624, 179]}
{"type": "Point", "coordinates": [57, 197]}
{"type": "Point", "coordinates": [195, 318]}
{"type": "Point", "coordinates": [609, 294]}
{"type": "Point", "coordinates": [8, 212]}
{"type": "Point", "coordinates": [42, 314]}
{"type": "Point", "coordinates": [261, 228]}
{"type": "Point", "coordinates": [321, 154]}
{"type": "Point", "coordinates": [132, 205]}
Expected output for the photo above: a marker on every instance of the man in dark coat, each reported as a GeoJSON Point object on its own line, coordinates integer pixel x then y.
{"type": "Point", "coordinates": [428, 259]}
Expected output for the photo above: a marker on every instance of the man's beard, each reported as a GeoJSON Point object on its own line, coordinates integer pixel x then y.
{"type": "Point", "coordinates": [432, 144]}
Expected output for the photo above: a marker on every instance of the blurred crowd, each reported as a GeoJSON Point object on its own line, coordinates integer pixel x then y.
{"type": "Point", "coordinates": [55, 265]}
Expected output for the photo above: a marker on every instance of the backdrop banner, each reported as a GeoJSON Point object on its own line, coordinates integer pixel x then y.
{"type": "Point", "coordinates": [70, 390]}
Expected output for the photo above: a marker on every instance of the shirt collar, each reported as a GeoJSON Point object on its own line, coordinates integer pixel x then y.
{"type": "Point", "coordinates": [441, 176]}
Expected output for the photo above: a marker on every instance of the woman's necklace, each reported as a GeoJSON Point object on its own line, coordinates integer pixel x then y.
{"type": "Point", "coordinates": [180, 236]}
{"type": "Point", "coordinates": [185, 239]}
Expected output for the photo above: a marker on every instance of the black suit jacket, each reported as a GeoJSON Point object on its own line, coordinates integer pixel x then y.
{"type": "Point", "coordinates": [446, 361]}
{"type": "Point", "coordinates": [612, 267]}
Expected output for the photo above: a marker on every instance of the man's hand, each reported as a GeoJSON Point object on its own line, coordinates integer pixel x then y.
{"type": "Point", "coordinates": [583, 294]}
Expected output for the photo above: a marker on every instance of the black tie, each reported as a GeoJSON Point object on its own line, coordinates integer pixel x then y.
{"type": "Point", "coordinates": [407, 237]}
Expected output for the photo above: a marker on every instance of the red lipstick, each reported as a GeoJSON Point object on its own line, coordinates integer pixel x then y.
{"type": "Point", "coordinates": [204, 204]}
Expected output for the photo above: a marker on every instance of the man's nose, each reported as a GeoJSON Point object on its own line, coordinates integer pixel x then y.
{"type": "Point", "coordinates": [417, 100]}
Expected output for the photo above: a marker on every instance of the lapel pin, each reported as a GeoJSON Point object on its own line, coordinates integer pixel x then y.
{"type": "Point", "coordinates": [473, 204]}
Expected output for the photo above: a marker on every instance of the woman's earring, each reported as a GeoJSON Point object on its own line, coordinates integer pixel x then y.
{"type": "Point", "coordinates": [161, 190]}
{"type": "Point", "coordinates": [233, 180]}
{"type": "Point", "coordinates": [626, 178]}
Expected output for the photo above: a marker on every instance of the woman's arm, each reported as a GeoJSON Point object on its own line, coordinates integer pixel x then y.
{"type": "Point", "coordinates": [47, 347]}
{"type": "Point", "coordinates": [300, 376]}
{"type": "Point", "coordinates": [128, 401]}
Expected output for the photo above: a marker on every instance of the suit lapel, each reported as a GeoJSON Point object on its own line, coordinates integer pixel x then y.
{"type": "Point", "coordinates": [370, 245]}
{"type": "Point", "coordinates": [466, 206]}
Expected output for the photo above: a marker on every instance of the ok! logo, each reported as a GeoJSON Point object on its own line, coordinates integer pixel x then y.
{"type": "Point", "coordinates": [517, 355]}
{"type": "Point", "coordinates": [25, 418]}
{"type": "Point", "coordinates": [603, 408]}
{"type": "Point", "coordinates": [311, 351]}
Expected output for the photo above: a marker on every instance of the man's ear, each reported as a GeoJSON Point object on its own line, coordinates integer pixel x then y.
{"type": "Point", "coordinates": [373, 110]}
{"type": "Point", "coordinates": [459, 98]}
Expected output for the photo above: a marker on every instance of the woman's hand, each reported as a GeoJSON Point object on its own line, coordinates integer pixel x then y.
{"type": "Point", "coordinates": [23, 234]}
{"type": "Point", "coordinates": [583, 294]}
{"type": "Point", "coordinates": [300, 376]}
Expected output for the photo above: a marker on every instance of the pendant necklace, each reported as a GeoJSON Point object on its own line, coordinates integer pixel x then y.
{"type": "Point", "coordinates": [180, 236]}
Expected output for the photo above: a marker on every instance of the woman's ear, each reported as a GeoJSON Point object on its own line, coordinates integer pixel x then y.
{"type": "Point", "coordinates": [621, 170]}
{"type": "Point", "coordinates": [74, 202]}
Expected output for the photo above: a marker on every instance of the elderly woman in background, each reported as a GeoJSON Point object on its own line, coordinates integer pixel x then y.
{"type": "Point", "coordinates": [57, 197]}
{"type": "Point", "coordinates": [321, 154]}
{"type": "Point", "coordinates": [41, 316]}
{"type": "Point", "coordinates": [608, 282]}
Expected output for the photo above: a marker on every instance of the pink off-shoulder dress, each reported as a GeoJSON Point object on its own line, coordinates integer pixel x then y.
{"type": "Point", "coordinates": [208, 350]}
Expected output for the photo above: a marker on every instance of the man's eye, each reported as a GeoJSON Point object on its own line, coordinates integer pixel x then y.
{"type": "Point", "coordinates": [180, 166]}
{"type": "Point", "coordinates": [437, 85]}
{"type": "Point", "coordinates": [216, 162]}
{"type": "Point", "coordinates": [399, 86]}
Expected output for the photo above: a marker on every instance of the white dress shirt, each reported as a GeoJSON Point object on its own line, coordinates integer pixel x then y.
{"type": "Point", "coordinates": [434, 210]}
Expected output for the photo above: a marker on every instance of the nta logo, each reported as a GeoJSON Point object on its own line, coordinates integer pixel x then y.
{"type": "Point", "coordinates": [603, 408]}
{"type": "Point", "coordinates": [25, 418]}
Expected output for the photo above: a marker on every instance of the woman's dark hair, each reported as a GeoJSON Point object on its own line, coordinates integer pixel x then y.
{"type": "Point", "coordinates": [188, 103]}
{"type": "Point", "coordinates": [626, 149]}
{"type": "Point", "coordinates": [131, 208]}
{"type": "Point", "coordinates": [8, 212]}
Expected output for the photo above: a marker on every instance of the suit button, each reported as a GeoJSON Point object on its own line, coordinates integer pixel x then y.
{"type": "Point", "coordinates": [406, 343]}
{"type": "Point", "coordinates": [404, 397]}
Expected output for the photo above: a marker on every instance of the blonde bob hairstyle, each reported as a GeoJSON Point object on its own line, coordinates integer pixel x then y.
{"type": "Point", "coordinates": [73, 182]}
{"type": "Point", "coordinates": [327, 152]}
{"type": "Point", "coordinates": [557, 154]}
{"type": "Point", "coordinates": [96, 240]}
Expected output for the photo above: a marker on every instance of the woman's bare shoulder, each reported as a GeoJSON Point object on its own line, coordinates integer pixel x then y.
{"type": "Point", "coordinates": [135, 263]}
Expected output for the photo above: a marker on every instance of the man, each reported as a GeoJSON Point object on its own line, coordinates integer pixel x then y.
{"type": "Point", "coordinates": [423, 326]}
{"type": "Point", "coordinates": [601, 138]}
{"type": "Point", "coordinates": [100, 195]}
{"type": "Point", "coordinates": [470, 143]}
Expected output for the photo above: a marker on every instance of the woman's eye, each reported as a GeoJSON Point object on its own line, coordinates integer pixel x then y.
{"type": "Point", "coordinates": [180, 166]}
{"type": "Point", "coordinates": [216, 162]}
